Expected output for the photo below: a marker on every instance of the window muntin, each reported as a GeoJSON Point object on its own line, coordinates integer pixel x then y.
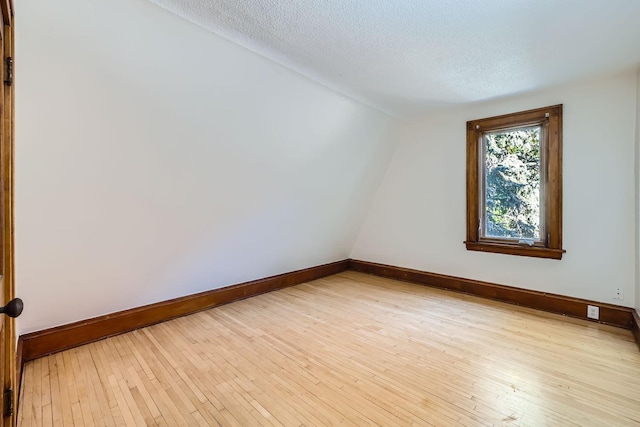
{"type": "Point", "coordinates": [522, 152]}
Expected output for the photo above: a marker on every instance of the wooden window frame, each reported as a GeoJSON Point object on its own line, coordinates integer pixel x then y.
{"type": "Point", "coordinates": [550, 245]}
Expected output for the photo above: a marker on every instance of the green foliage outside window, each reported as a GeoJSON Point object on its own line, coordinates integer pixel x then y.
{"type": "Point", "coordinates": [512, 183]}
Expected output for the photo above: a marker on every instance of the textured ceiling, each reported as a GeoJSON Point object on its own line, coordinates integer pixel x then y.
{"type": "Point", "coordinates": [410, 56]}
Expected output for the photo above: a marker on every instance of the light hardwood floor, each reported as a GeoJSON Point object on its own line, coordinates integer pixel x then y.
{"type": "Point", "coordinates": [350, 349]}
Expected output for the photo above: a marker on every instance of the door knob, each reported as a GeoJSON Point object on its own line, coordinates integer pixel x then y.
{"type": "Point", "coordinates": [13, 308]}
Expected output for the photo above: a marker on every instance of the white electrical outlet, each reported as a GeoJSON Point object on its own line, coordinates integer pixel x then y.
{"type": "Point", "coordinates": [593, 312]}
{"type": "Point", "coordinates": [618, 294]}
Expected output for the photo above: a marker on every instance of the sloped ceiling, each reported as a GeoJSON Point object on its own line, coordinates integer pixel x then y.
{"type": "Point", "coordinates": [412, 56]}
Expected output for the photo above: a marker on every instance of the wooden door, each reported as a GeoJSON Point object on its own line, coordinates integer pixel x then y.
{"type": "Point", "coordinates": [7, 324]}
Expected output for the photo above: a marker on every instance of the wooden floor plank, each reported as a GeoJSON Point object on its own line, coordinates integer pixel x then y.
{"type": "Point", "coordinates": [349, 349]}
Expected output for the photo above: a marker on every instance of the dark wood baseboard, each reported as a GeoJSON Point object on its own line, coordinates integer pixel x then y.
{"type": "Point", "coordinates": [610, 314]}
{"type": "Point", "coordinates": [63, 337]}
{"type": "Point", "coordinates": [42, 343]}
{"type": "Point", "coordinates": [635, 327]}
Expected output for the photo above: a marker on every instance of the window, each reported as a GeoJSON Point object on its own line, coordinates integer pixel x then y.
{"type": "Point", "coordinates": [514, 183]}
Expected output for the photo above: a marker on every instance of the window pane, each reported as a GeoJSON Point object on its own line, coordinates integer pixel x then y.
{"type": "Point", "coordinates": [512, 183]}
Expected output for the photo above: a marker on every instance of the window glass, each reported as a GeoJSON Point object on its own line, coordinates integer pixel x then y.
{"type": "Point", "coordinates": [512, 183]}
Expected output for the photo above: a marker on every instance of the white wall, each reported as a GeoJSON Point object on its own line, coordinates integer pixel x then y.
{"type": "Point", "coordinates": [418, 217]}
{"type": "Point", "coordinates": [638, 191]}
{"type": "Point", "coordinates": [155, 159]}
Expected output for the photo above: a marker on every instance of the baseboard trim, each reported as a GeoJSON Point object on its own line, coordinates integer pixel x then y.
{"type": "Point", "coordinates": [574, 307]}
{"type": "Point", "coordinates": [48, 341]}
{"type": "Point", "coordinates": [42, 343]}
{"type": "Point", "coordinates": [635, 327]}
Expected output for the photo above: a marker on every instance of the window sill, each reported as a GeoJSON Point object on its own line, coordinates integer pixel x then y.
{"type": "Point", "coordinates": [521, 250]}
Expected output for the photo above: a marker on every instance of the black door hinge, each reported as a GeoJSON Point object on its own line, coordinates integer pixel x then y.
{"type": "Point", "coordinates": [8, 402]}
{"type": "Point", "coordinates": [8, 79]}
